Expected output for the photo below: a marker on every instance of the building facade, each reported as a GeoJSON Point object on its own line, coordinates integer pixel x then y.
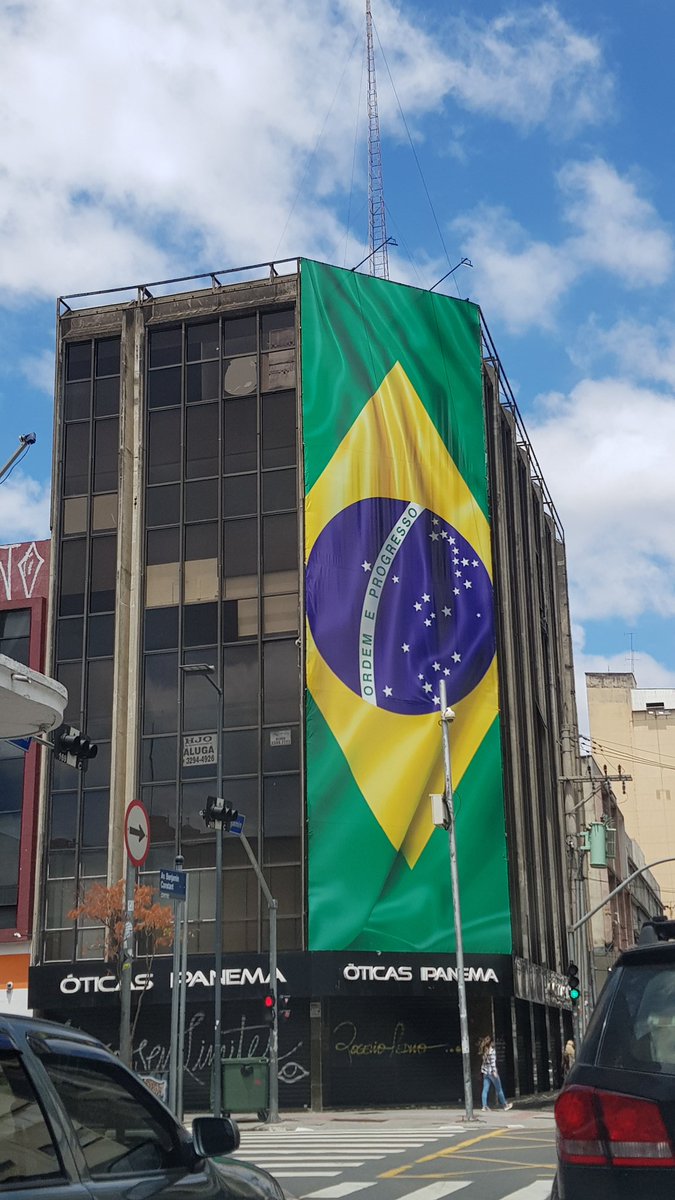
{"type": "Point", "coordinates": [318, 486]}
{"type": "Point", "coordinates": [24, 590]}
{"type": "Point", "coordinates": [634, 728]}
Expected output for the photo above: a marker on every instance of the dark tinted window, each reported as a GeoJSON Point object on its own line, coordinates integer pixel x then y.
{"type": "Point", "coordinates": [106, 435]}
{"type": "Point", "coordinates": [202, 444]}
{"type": "Point", "coordinates": [103, 568]}
{"type": "Point", "coordinates": [162, 505]}
{"type": "Point", "coordinates": [15, 633]}
{"type": "Point", "coordinates": [278, 430]}
{"type": "Point", "coordinates": [239, 335]}
{"type": "Point", "coordinates": [203, 341]}
{"type": "Point", "coordinates": [164, 447]}
{"type": "Point", "coordinates": [78, 361]}
{"type": "Point", "coordinates": [76, 465]}
{"type": "Point", "coordinates": [639, 1032]}
{"type": "Point", "coordinates": [73, 558]}
{"type": "Point", "coordinates": [166, 347]}
{"type": "Point", "coordinates": [29, 1153]}
{"type": "Point", "coordinates": [240, 436]}
{"type": "Point", "coordinates": [108, 356]}
{"type": "Point", "coordinates": [201, 499]}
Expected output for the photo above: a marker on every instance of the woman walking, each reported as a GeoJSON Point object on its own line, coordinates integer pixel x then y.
{"type": "Point", "coordinates": [488, 1069]}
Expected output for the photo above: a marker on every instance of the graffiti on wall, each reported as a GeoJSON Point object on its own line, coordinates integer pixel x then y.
{"type": "Point", "coordinates": [22, 573]}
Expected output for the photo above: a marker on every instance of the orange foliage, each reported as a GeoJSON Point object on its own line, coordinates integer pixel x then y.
{"type": "Point", "coordinates": [107, 905]}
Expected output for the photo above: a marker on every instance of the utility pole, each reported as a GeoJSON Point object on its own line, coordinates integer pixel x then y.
{"type": "Point", "coordinates": [26, 440]}
{"type": "Point", "coordinates": [447, 716]}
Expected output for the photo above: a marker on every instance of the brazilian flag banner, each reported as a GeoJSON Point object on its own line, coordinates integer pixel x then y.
{"type": "Point", "coordinates": [398, 585]}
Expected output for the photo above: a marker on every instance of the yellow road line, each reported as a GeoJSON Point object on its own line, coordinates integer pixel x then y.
{"type": "Point", "coordinates": [442, 1153]}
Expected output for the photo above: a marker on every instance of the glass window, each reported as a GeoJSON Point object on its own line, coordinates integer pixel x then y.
{"type": "Point", "coordinates": [77, 401]}
{"type": "Point", "coordinates": [201, 541]}
{"type": "Point", "coordinates": [280, 543]}
{"type": "Point", "coordinates": [162, 585]}
{"type": "Point", "coordinates": [281, 675]}
{"type": "Point", "coordinates": [240, 335]}
{"type": "Point", "coordinates": [103, 571]}
{"type": "Point", "coordinates": [203, 382]}
{"type": "Point", "coordinates": [75, 515]}
{"type": "Point", "coordinates": [281, 614]}
{"type": "Point", "coordinates": [15, 633]}
{"type": "Point", "coordinates": [78, 361]}
{"type": "Point", "coordinates": [98, 771]}
{"type": "Point", "coordinates": [240, 376]}
{"type": "Point", "coordinates": [240, 752]}
{"type": "Point", "coordinates": [240, 549]}
{"type": "Point", "coordinates": [201, 500]}
{"type": "Point", "coordinates": [278, 430]}
{"type": "Point", "coordinates": [200, 624]}
{"type": "Point", "coordinates": [104, 512]}
{"type": "Point", "coordinates": [279, 490]}
{"type": "Point", "coordinates": [240, 436]}
{"type": "Point", "coordinates": [95, 809]}
{"type": "Point", "coordinates": [203, 341]}
{"type": "Point", "coordinates": [101, 636]}
{"type": "Point", "coordinates": [70, 675]}
{"type": "Point", "coordinates": [164, 447]}
{"type": "Point", "coordinates": [164, 388]}
{"type": "Point", "coordinates": [281, 748]}
{"type": "Point", "coordinates": [120, 1128]}
{"type": "Point", "coordinates": [162, 505]}
{"type": "Point", "coordinates": [166, 347]}
{"type": "Point", "coordinates": [161, 628]}
{"type": "Point", "coordinates": [63, 825]}
{"type": "Point", "coordinates": [241, 685]}
{"type": "Point", "coordinates": [281, 805]}
{"type": "Point", "coordinates": [161, 805]}
{"type": "Point", "coordinates": [107, 397]}
{"type": "Point", "coordinates": [202, 441]}
{"type": "Point", "coordinates": [200, 698]}
{"type": "Point", "coordinates": [73, 558]}
{"type": "Point", "coordinates": [69, 638]}
{"type": "Point", "coordinates": [11, 781]}
{"type": "Point", "coordinates": [106, 468]}
{"type": "Point", "coordinates": [108, 356]}
{"type": "Point", "coordinates": [277, 370]}
{"type": "Point", "coordinates": [639, 1032]}
{"type": "Point", "coordinates": [163, 546]}
{"type": "Point", "coordinates": [160, 693]}
{"type": "Point", "coordinates": [60, 900]}
{"type": "Point", "coordinates": [76, 460]}
{"type": "Point", "coordinates": [277, 330]}
{"type": "Point", "coordinates": [98, 716]}
{"type": "Point", "coordinates": [59, 945]}
{"type": "Point", "coordinates": [240, 618]}
{"type": "Point", "coordinates": [240, 496]}
{"type": "Point", "coordinates": [29, 1153]}
{"type": "Point", "coordinates": [158, 759]}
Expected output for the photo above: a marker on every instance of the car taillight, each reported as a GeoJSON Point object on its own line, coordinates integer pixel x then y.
{"type": "Point", "coordinates": [598, 1128]}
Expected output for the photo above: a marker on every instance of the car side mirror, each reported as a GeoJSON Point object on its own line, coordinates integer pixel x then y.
{"type": "Point", "coordinates": [214, 1135]}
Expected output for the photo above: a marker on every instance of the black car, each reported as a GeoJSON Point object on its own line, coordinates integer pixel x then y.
{"type": "Point", "coordinates": [615, 1116]}
{"type": "Point", "coordinates": [75, 1124]}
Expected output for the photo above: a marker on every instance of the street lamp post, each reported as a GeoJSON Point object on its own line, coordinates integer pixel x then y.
{"type": "Point", "coordinates": [447, 715]}
{"type": "Point", "coordinates": [207, 670]}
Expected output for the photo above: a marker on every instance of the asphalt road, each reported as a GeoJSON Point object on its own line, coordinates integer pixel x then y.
{"type": "Point", "coordinates": [409, 1157]}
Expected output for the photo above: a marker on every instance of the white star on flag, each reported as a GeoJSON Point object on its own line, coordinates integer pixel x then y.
{"type": "Point", "coordinates": [387, 691]}
{"type": "Point", "coordinates": [405, 647]}
{"type": "Point", "coordinates": [456, 657]}
{"type": "Point", "coordinates": [366, 566]}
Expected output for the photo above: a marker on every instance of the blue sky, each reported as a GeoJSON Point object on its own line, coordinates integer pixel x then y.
{"type": "Point", "coordinates": [146, 141]}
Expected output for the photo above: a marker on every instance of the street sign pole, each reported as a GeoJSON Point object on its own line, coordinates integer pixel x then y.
{"type": "Point", "coordinates": [173, 1049]}
{"type": "Point", "coordinates": [137, 842]}
{"type": "Point", "coordinates": [181, 1002]}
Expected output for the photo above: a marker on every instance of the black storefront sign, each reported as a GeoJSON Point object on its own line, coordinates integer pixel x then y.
{"type": "Point", "coordinates": [404, 1049]}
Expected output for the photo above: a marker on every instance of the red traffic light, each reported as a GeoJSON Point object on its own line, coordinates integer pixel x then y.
{"type": "Point", "coordinates": [269, 1000]}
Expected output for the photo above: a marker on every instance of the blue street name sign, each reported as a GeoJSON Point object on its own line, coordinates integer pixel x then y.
{"type": "Point", "coordinates": [22, 743]}
{"type": "Point", "coordinates": [172, 883]}
{"type": "Point", "coordinates": [237, 826]}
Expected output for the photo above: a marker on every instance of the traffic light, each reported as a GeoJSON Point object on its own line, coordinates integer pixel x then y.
{"type": "Point", "coordinates": [217, 812]}
{"type": "Point", "coordinates": [73, 747]}
{"type": "Point", "coordinates": [268, 1008]}
{"type": "Point", "coordinates": [285, 1007]}
{"type": "Point", "coordinates": [573, 989]}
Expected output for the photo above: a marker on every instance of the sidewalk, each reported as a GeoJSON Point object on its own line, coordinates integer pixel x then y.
{"type": "Point", "coordinates": [408, 1117]}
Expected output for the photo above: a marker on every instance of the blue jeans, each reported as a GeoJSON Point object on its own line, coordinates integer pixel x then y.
{"type": "Point", "coordinates": [497, 1084]}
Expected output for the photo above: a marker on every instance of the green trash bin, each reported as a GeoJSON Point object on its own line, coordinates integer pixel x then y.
{"type": "Point", "coordinates": [246, 1086]}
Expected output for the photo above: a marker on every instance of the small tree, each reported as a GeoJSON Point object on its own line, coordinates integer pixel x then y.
{"type": "Point", "coordinates": [152, 923]}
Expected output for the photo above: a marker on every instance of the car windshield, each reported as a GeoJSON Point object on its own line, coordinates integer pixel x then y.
{"type": "Point", "coordinates": [639, 1033]}
{"type": "Point", "coordinates": [27, 1150]}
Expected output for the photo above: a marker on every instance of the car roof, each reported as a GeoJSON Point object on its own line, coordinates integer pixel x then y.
{"type": "Point", "coordinates": [17, 1028]}
{"type": "Point", "coordinates": [654, 953]}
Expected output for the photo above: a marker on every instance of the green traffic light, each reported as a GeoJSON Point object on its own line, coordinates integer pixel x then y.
{"type": "Point", "coordinates": [574, 993]}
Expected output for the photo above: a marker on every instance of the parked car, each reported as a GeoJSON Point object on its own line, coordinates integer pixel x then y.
{"type": "Point", "coordinates": [615, 1115]}
{"type": "Point", "coordinates": [75, 1124]}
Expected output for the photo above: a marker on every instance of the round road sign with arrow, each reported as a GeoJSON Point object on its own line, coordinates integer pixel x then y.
{"type": "Point", "coordinates": [137, 832]}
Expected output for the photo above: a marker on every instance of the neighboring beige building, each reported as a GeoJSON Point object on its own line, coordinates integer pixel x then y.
{"type": "Point", "coordinates": [634, 729]}
{"type": "Point", "coordinates": [617, 925]}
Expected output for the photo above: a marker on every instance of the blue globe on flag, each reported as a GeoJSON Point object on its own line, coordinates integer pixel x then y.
{"type": "Point", "coordinates": [398, 599]}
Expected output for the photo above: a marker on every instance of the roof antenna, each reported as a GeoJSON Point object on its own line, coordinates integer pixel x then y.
{"type": "Point", "coordinates": [377, 229]}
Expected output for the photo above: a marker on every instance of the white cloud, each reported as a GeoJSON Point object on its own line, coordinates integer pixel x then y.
{"type": "Point", "coordinates": [642, 351]}
{"type": "Point", "coordinates": [24, 509]}
{"type": "Point", "coordinates": [531, 67]}
{"type": "Point", "coordinates": [144, 141]}
{"type": "Point", "coordinates": [38, 369]}
{"type": "Point", "coordinates": [519, 279]}
{"type": "Point", "coordinates": [619, 231]}
{"type": "Point", "coordinates": [605, 451]}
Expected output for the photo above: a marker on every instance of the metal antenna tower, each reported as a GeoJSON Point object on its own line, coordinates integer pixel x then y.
{"type": "Point", "coordinates": [377, 229]}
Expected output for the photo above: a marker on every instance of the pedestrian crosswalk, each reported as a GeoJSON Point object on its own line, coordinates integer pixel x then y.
{"type": "Point", "coordinates": [310, 1153]}
{"type": "Point", "coordinates": [320, 1161]}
